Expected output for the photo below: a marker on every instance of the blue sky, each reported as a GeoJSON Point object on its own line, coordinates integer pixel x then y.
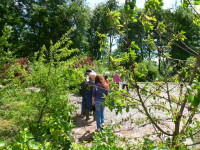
{"type": "Point", "coordinates": [139, 3]}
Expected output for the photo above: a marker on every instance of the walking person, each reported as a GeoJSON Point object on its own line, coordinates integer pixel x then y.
{"type": "Point", "coordinates": [88, 96]}
{"type": "Point", "coordinates": [116, 78]}
{"type": "Point", "coordinates": [100, 90]}
{"type": "Point", "coordinates": [106, 77]}
{"type": "Point", "coordinates": [124, 84]}
{"type": "Point", "coordinates": [83, 92]}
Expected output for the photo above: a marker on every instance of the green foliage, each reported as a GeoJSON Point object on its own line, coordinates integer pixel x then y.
{"type": "Point", "coordinates": [101, 29]}
{"type": "Point", "coordinates": [106, 139]}
{"type": "Point", "coordinates": [148, 22]}
{"type": "Point", "coordinates": [149, 144]}
{"type": "Point", "coordinates": [185, 28]}
{"type": "Point", "coordinates": [196, 2]}
{"type": "Point", "coordinates": [147, 70]}
{"type": "Point", "coordinates": [161, 27]}
{"type": "Point", "coordinates": [158, 96]}
{"type": "Point", "coordinates": [25, 141]}
{"type": "Point", "coordinates": [194, 96]}
{"type": "Point", "coordinates": [118, 101]}
{"type": "Point", "coordinates": [5, 53]}
{"type": "Point", "coordinates": [39, 104]}
{"type": "Point", "coordinates": [36, 23]}
{"type": "Point", "coordinates": [79, 147]}
{"type": "Point", "coordinates": [154, 4]}
{"type": "Point", "coordinates": [41, 101]}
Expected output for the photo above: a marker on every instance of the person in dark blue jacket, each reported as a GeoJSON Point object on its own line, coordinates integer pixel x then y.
{"type": "Point", "coordinates": [86, 92]}
{"type": "Point", "coordinates": [83, 91]}
{"type": "Point", "coordinates": [88, 96]}
{"type": "Point", "coordinates": [100, 90]}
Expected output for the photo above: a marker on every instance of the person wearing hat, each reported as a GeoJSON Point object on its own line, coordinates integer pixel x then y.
{"type": "Point", "coordinates": [88, 95]}
{"type": "Point", "coordinates": [83, 88]}
{"type": "Point", "coordinates": [88, 72]}
{"type": "Point", "coordinates": [87, 90]}
{"type": "Point", "coordinates": [106, 77]}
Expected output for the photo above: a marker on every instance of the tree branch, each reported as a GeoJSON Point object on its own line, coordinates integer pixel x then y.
{"type": "Point", "coordinates": [197, 14]}
{"type": "Point", "coordinates": [148, 115]}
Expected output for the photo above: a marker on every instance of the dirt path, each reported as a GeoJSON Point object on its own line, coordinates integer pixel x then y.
{"type": "Point", "coordinates": [84, 130]}
{"type": "Point", "coordinates": [128, 121]}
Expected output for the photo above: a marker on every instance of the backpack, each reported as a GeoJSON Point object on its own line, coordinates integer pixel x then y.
{"type": "Point", "coordinates": [83, 87]}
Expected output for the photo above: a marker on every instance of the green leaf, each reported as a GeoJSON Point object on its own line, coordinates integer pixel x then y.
{"type": "Point", "coordinates": [144, 92]}
{"type": "Point", "coordinates": [118, 59]}
{"type": "Point", "coordinates": [196, 102]}
{"type": "Point", "coordinates": [100, 49]}
{"type": "Point", "coordinates": [134, 45]}
{"type": "Point", "coordinates": [170, 68]}
{"type": "Point", "coordinates": [167, 55]}
{"type": "Point", "coordinates": [127, 109]}
{"type": "Point", "coordinates": [191, 98]}
{"type": "Point", "coordinates": [191, 136]}
{"type": "Point", "coordinates": [2, 144]}
{"type": "Point", "coordinates": [33, 145]}
{"type": "Point", "coordinates": [196, 2]}
{"type": "Point", "coordinates": [189, 88]}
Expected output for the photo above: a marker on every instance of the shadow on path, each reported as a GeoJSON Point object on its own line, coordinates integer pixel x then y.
{"type": "Point", "coordinates": [80, 121]}
{"type": "Point", "coordinates": [88, 136]}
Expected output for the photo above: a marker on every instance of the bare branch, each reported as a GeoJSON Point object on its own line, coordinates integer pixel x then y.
{"type": "Point", "coordinates": [197, 14]}
{"type": "Point", "coordinates": [148, 115]}
{"type": "Point", "coordinates": [190, 52]}
{"type": "Point", "coordinates": [189, 49]}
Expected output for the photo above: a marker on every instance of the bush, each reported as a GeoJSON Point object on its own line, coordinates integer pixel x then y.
{"type": "Point", "coordinates": [147, 71]}
{"type": "Point", "coordinates": [41, 105]}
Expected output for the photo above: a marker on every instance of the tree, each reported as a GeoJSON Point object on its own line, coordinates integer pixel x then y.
{"type": "Point", "coordinates": [11, 14]}
{"type": "Point", "coordinates": [183, 21]}
{"type": "Point", "coordinates": [180, 110]}
{"type": "Point", "coordinates": [6, 55]}
{"type": "Point", "coordinates": [98, 24]}
{"type": "Point", "coordinates": [37, 22]}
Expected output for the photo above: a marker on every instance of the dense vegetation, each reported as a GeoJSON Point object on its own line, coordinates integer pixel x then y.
{"type": "Point", "coordinates": [36, 23]}
{"type": "Point", "coordinates": [154, 45]}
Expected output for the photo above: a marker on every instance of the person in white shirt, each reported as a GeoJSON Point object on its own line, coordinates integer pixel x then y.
{"type": "Point", "coordinates": [124, 84]}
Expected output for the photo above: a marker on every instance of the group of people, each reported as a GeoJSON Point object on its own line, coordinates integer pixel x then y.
{"type": "Point", "coordinates": [94, 89]}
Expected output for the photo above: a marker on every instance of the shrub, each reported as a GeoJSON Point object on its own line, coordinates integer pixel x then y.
{"type": "Point", "coordinates": [147, 71]}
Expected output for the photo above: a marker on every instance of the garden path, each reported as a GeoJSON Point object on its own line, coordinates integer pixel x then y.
{"type": "Point", "coordinates": [84, 130]}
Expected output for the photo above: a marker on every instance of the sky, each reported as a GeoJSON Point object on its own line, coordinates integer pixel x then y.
{"type": "Point", "coordinates": [139, 3]}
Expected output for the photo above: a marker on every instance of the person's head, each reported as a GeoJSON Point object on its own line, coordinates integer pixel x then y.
{"type": "Point", "coordinates": [100, 79]}
{"type": "Point", "coordinates": [107, 73]}
{"type": "Point", "coordinates": [88, 72]}
{"type": "Point", "coordinates": [92, 75]}
{"type": "Point", "coordinates": [116, 71]}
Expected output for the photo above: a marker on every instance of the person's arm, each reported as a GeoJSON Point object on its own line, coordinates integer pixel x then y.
{"type": "Point", "coordinates": [106, 92]}
{"type": "Point", "coordinates": [93, 102]}
{"type": "Point", "coordinates": [93, 96]}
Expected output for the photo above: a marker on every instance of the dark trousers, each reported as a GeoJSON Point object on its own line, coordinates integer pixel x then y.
{"type": "Point", "coordinates": [125, 85]}
{"type": "Point", "coordinates": [88, 114]}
